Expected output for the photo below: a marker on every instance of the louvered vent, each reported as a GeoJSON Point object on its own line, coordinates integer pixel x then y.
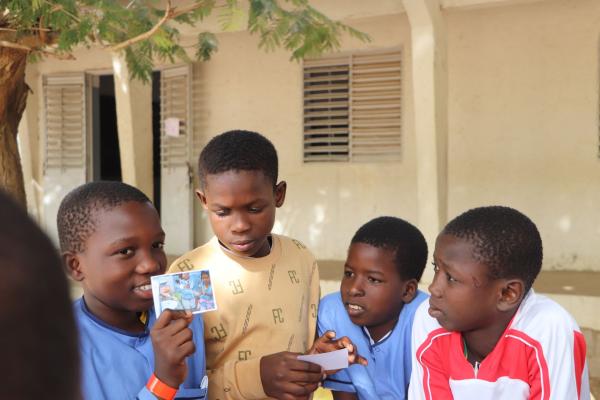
{"type": "Point", "coordinates": [352, 107]}
{"type": "Point", "coordinates": [64, 115]}
{"type": "Point", "coordinates": [175, 98]}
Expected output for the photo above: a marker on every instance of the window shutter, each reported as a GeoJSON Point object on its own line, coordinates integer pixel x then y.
{"type": "Point", "coordinates": [376, 106]}
{"type": "Point", "coordinates": [326, 123]}
{"type": "Point", "coordinates": [176, 190]}
{"type": "Point", "coordinates": [175, 103]}
{"type": "Point", "coordinates": [65, 141]}
{"type": "Point", "coordinates": [65, 122]}
{"type": "Point", "coordinates": [352, 107]}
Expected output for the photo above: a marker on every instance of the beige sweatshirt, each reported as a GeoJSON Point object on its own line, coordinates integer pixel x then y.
{"type": "Point", "coordinates": [264, 305]}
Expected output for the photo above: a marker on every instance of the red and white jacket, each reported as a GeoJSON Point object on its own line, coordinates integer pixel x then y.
{"type": "Point", "coordinates": [540, 356]}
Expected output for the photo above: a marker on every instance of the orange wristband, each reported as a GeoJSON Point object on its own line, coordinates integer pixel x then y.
{"type": "Point", "coordinates": [160, 389]}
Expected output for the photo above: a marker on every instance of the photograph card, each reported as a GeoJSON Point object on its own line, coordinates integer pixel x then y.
{"type": "Point", "coordinates": [333, 360]}
{"type": "Point", "coordinates": [191, 290]}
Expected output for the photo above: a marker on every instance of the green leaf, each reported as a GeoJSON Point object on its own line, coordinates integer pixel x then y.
{"type": "Point", "coordinates": [36, 4]}
{"type": "Point", "coordinates": [290, 24]}
{"type": "Point", "coordinates": [207, 45]}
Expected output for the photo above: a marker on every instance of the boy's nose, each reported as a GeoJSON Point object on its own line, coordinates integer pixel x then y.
{"type": "Point", "coordinates": [356, 289]}
{"type": "Point", "coordinates": [148, 265]}
{"type": "Point", "coordinates": [241, 224]}
{"type": "Point", "coordinates": [434, 287]}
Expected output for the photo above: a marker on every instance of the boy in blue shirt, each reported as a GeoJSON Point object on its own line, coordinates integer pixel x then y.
{"type": "Point", "coordinates": [375, 308]}
{"type": "Point", "coordinates": [112, 242]}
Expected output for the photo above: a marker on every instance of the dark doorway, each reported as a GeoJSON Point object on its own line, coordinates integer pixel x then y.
{"type": "Point", "coordinates": [106, 157]}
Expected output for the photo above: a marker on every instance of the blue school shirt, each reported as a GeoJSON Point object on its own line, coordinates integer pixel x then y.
{"type": "Point", "coordinates": [117, 364]}
{"type": "Point", "coordinates": [388, 373]}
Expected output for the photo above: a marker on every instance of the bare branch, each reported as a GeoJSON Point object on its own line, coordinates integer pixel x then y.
{"type": "Point", "coordinates": [168, 15]}
{"type": "Point", "coordinates": [58, 7]}
{"type": "Point", "coordinates": [11, 45]}
{"type": "Point", "coordinates": [33, 28]}
{"type": "Point", "coordinates": [65, 56]}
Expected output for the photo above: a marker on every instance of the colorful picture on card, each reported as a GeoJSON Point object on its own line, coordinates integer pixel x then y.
{"type": "Point", "coordinates": [191, 291]}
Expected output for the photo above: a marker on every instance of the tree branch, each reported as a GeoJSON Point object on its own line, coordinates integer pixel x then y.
{"type": "Point", "coordinates": [11, 45]}
{"type": "Point", "coordinates": [66, 56]}
{"type": "Point", "coordinates": [168, 15]}
{"type": "Point", "coordinates": [33, 28]}
{"type": "Point", "coordinates": [58, 7]}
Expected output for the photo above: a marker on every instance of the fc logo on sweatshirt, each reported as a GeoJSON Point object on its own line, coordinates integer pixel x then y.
{"type": "Point", "coordinates": [278, 316]}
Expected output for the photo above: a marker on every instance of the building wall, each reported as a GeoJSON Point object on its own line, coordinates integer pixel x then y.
{"type": "Point", "coordinates": [523, 124]}
{"type": "Point", "coordinates": [523, 127]}
{"type": "Point", "coordinates": [523, 120]}
{"type": "Point", "coordinates": [325, 202]}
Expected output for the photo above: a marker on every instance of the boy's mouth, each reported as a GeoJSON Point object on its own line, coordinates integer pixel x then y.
{"type": "Point", "coordinates": [144, 290]}
{"type": "Point", "coordinates": [434, 311]}
{"type": "Point", "coordinates": [354, 309]}
{"type": "Point", "coordinates": [243, 245]}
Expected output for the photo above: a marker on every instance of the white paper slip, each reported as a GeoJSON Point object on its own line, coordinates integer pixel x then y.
{"type": "Point", "coordinates": [329, 361]}
{"type": "Point", "coordinates": [172, 127]}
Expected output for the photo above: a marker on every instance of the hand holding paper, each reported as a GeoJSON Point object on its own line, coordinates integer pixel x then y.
{"type": "Point", "coordinates": [328, 345]}
{"type": "Point", "coordinates": [334, 360]}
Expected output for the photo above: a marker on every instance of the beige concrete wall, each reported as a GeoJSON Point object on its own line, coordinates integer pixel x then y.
{"type": "Point", "coordinates": [523, 124]}
{"type": "Point", "coordinates": [523, 120]}
{"type": "Point", "coordinates": [326, 202]}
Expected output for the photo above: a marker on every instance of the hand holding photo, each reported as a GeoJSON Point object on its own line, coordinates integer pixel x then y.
{"type": "Point", "coordinates": [333, 360]}
{"type": "Point", "coordinates": [183, 291]}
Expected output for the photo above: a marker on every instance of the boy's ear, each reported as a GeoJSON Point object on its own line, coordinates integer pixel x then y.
{"type": "Point", "coordinates": [410, 290]}
{"type": "Point", "coordinates": [202, 198]}
{"type": "Point", "coordinates": [71, 261]}
{"type": "Point", "coordinates": [280, 189]}
{"type": "Point", "coordinates": [512, 292]}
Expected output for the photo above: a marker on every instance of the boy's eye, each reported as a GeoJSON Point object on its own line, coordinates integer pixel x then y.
{"type": "Point", "coordinates": [435, 267]}
{"type": "Point", "coordinates": [255, 210]}
{"type": "Point", "coordinates": [126, 252]}
{"type": "Point", "coordinates": [348, 274]}
{"type": "Point", "coordinates": [158, 245]}
{"type": "Point", "coordinates": [221, 213]}
{"type": "Point", "coordinates": [450, 278]}
{"type": "Point", "coordinates": [374, 280]}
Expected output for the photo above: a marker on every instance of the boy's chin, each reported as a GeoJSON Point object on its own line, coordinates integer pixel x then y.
{"type": "Point", "coordinates": [360, 321]}
{"type": "Point", "coordinates": [142, 306]}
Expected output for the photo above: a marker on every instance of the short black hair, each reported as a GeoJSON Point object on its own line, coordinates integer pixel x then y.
{"type": "Point", "coordinates": [401, 237]}
{"type": "Point", "coordinates": [238, 150]}
{"type": "Point", "coordinates": [505, 240]}
{"type": "Point", "coordinates": [38, 335]}
{"type": "Point", "coordinates": [76, 214]}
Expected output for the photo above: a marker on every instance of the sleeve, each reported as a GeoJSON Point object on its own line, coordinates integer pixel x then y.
{"type": "Point", "coordinates": [145, 394]}
{"type": "Point", "coordinates": [238, 380]}
{"type": "Point", "coordinates": [428, 380]}
{"type": "Point", "coordinates": [564, 358]}
{"type": "Point", "coordinates": [341, 380]}
{"type": "Point", "coordinates": [314, 296]}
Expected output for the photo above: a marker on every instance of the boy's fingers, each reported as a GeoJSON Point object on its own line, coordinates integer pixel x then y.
{"type": "Point", "coordinates": [305, 366]}
{"type": "Point", "coordinates": [167, 316]}
{"type": "Point", "coordinates": [299, 388]}
{"type": "Point", "coordinates": [183, 336]}
{"type": "Point", "coordinates": [347, 343]}
{"type": "Point", "coordinates": [361, 360]}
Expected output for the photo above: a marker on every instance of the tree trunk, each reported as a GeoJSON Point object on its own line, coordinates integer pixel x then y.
{"type": "Point", "coordinates": [13, 97]}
